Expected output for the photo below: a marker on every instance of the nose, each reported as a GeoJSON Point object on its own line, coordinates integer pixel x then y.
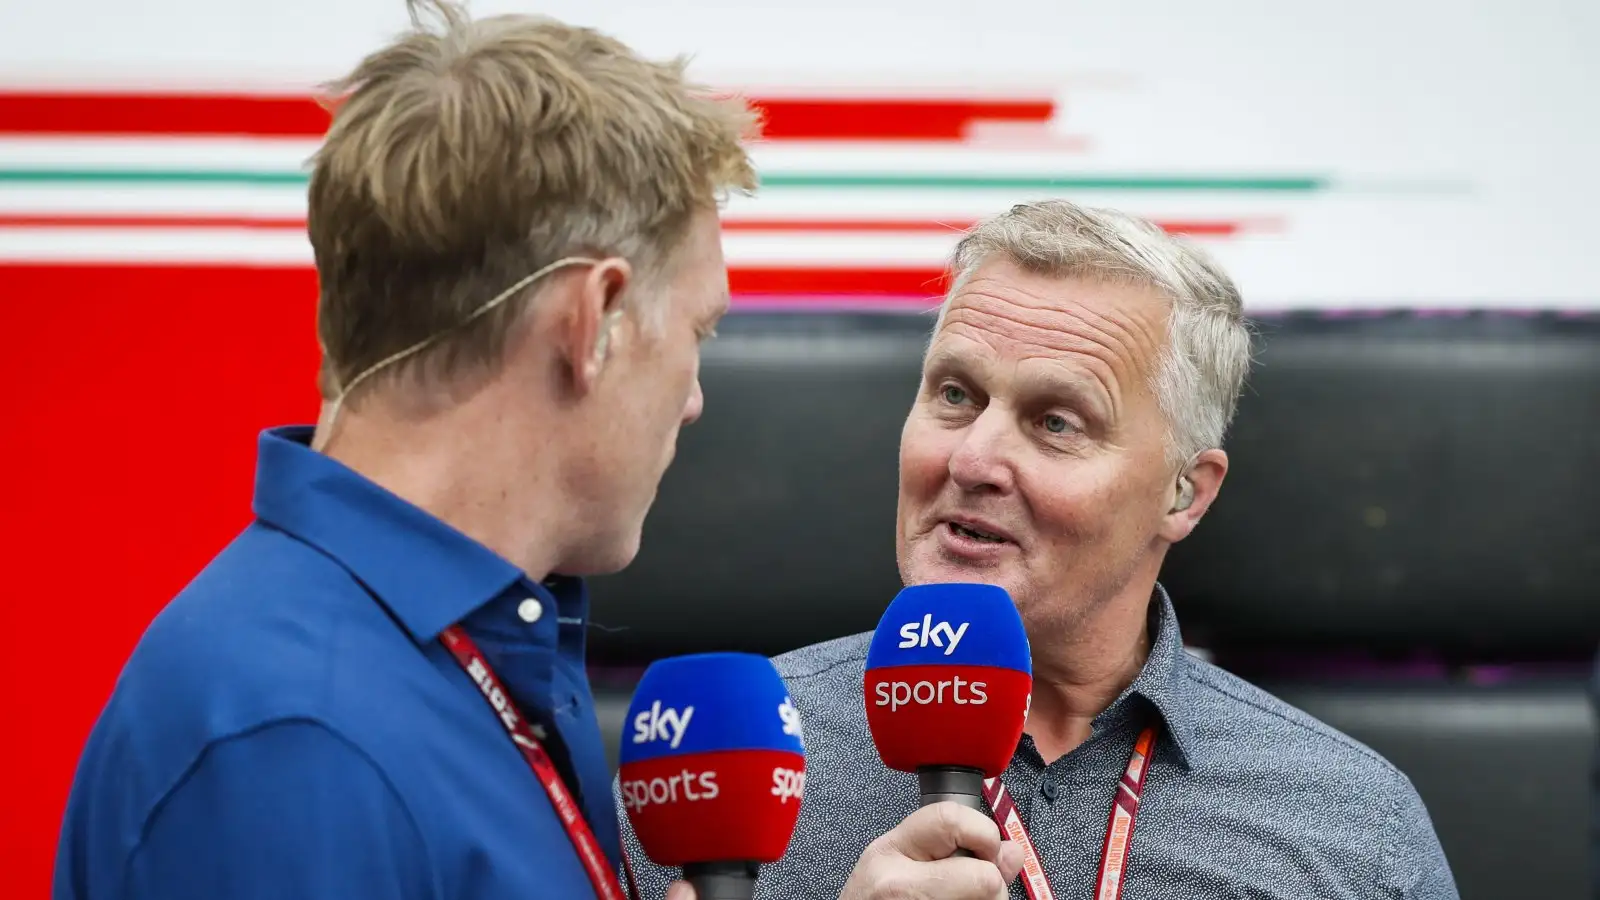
{"type": "Point", "coordinates": [982, 460]}
{"type": "Point", "coordinates": [695, 405]}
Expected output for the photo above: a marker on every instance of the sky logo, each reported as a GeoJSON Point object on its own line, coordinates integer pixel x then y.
{"type": "Point", "coordinates": [925, 633]}
{"type": "Point", "coordinates": [657, 724]}
{"type": "Point", "coordinates": [790, 718]}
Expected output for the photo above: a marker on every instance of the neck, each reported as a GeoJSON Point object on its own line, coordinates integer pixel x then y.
{"type": "Point", "coordinates": [482, 485]}
{"type": "Point", "coordinates": [1076, 678]}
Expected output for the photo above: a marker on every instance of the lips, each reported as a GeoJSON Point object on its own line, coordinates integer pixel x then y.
{"type": "Point", "coordinates": [978, 530]}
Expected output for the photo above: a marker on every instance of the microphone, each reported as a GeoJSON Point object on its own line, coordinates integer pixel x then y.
{"type": "Point", "coordinates": [947, 687]}
{"type": "Point", "coordinates": [713, 769]}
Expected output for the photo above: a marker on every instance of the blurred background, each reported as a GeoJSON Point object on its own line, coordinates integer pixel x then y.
{"type": "Point", "coordinates": [1406, 191]}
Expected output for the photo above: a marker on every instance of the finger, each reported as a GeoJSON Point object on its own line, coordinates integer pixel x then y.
{"type": "Point", "coordinates": [680, 890]}
{"type": "Point", "coordinates": [934, 832]}
{"type": "Point", "coordinates": [961, 878]}
{"type": "Point", "coordinates": [1009, 861]}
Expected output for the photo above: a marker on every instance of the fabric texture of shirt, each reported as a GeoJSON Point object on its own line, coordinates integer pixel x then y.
{"type": "Point", "coordinates": [1594, 800]}
{"type": "Point", "coordinates": [290, 725]}
{"type": "Point", "coordinates": [1246, 797]}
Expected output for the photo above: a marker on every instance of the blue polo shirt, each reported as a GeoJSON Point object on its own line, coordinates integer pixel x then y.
{"type": "Point", "coordinates": [290, 726]}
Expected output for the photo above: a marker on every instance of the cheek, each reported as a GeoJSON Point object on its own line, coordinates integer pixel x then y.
{"type": "Point", "coordinates": [1080, 500]}
{"type": "Point", "coordinates": [925, 452]}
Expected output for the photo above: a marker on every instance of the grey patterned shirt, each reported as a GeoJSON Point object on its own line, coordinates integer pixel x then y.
{"type": "Point", "coordinates": [1246, 797]}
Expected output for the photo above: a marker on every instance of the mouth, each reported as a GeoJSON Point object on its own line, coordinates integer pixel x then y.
{"type": "Point", "coordinates": [972, 531]}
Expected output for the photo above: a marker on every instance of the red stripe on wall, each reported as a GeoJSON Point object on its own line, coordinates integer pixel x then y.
{"type": "Point", "coordinates": [847, 119]}
{"type": "Point", "coordinates": [133, 399]}
{"type": "Point", "coordinates": [851, 282]}
{"type": "Point", "coordinates": [169, 115]}
{"type": "Point", "coordinates": [893, 120]}
{"type": "Point", "coordinates": [228, 283]}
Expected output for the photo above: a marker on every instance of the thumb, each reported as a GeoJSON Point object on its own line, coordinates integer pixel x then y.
{"type": "Point", "coordinates": [1010, 860]}
{"type": "Point", "coordinates": [680, 890]}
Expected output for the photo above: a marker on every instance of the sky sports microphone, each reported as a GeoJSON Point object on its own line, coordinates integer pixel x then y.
{"type": "Point", "coordinates": [713, 769]}
{"type": "Point", "coordinates": [947, 686]}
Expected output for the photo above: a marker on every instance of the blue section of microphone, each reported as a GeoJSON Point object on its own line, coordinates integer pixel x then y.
{"type": "Point", "coordinates": [709, 702]}
{"type": "Point", "coordinates": [951, 625]}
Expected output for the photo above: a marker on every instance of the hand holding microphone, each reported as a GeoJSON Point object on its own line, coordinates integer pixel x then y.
{"type": "Point", "coordinates": [713, 770]}
{"type": "Point", "coordinates": [918, 859]}
{"type": "Point", "coordinates": [947, 683]}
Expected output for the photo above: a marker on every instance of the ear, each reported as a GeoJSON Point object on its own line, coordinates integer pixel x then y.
{"type": "Point", "coordinates": [592, 315]}
{"type": "Point", "coordinates": [1205, 475]}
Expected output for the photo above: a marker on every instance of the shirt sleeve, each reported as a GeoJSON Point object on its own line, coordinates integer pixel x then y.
{"type": "Point", "coordinates": [288, 810]}
{"type": "Point", "coordinates": [1423, 872]}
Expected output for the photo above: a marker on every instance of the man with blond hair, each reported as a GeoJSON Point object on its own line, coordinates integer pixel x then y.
{"type": "Point", "coordinates": [1066, 432]}
{"type": "Point", "coordinates": [377, 689]}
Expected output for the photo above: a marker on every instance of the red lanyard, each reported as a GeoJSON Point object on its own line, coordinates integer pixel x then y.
{"type": "Point", "coordinates": [1119, 826]}
{"type": "Point", "coordinates": [606, 885]}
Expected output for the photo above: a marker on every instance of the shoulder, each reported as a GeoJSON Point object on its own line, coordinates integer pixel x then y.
{"type": "Point", "coordinates": [840, 659]}
{"type": "Point", "coordinates": [270, 631]}
{"type": "Point", "coordinates": [1251, 716]}
{"type": "Point", "coordinates": [257, 635]}
{"type": "Point", "coordinates": [825, 681]}
{"type": "Point", "coordinates": [1342, 790]}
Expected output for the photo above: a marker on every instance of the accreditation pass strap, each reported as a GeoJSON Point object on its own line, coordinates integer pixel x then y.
{"type": "Point", "coordinates": [1119, 826]}
{"type": "Point", "coordinates": [466, 653]}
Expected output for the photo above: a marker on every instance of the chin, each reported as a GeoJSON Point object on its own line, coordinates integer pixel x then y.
{"type": "Point", "coordinates": [606, 558]}
{"type": "Point", "coordinates": [926, 565]}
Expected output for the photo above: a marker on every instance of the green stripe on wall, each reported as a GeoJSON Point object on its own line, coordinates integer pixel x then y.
{"type": "Point", "coordinates": [1026, 182]}
{"type": "Point", "coordinates": [797, 180]}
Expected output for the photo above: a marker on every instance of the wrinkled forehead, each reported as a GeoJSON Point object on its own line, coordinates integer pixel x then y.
{"type": "Point", "coordinates": [1003, 314]}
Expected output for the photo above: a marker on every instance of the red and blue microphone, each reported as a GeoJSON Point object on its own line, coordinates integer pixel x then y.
{"type": "Point", "coordinates": [947, 685]}
{"type": "Point", "coordinates": [713, 769]}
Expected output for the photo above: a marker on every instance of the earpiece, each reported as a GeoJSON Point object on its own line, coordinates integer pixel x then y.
{"type": "Point", "coordinates": [1185, 494]}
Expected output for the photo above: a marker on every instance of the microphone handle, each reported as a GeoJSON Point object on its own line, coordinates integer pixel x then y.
{"type": "Point", "coordinates": [953, 784]}
{"type": "Point", "coordinates": [726, 880]}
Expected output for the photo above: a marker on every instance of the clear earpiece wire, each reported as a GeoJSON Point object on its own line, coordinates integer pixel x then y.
{"type": "Point", "coordinates": [338, 400]}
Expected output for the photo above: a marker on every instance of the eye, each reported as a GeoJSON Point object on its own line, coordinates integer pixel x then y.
{"type": "Point", "coordinates": [953, 395]}
{"type": "Point", "coordinates": [1057, 424]}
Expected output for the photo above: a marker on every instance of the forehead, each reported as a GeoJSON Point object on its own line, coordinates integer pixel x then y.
{"type": "Point", "coordinates": [1007, 313]}
{"type": "Point", "coordinates": [699, 272]}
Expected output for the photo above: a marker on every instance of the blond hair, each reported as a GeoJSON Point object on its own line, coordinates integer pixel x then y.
{"type": "Point", "coordinates": [466, 155]}
{"type": "Point", "coordinates": [1203, 367]}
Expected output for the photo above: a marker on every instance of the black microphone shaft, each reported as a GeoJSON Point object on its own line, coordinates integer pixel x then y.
{"type": "Point", "coordinates": [953, 784]}
{"type": "Point", "coordinates": [732, 880]}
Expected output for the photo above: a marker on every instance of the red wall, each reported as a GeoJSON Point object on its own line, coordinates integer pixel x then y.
{"type": "Point", "coordinates": [133, 398]}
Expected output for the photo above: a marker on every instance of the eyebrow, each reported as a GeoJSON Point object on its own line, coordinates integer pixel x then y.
{"type": "Point", "coordinates": [943, 362]}
{"type": "Point", "coordinates": [1080, 391]}
{"type": "Point", "coordinates": [1084, 392]}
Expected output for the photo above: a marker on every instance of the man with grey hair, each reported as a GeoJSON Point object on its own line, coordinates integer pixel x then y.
{"type": "Point", "coordinates": [1067, 431]}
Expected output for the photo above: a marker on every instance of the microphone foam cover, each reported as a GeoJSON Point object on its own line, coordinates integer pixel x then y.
{"type": "Point", "coordinates": [713, 760]}
{"type": "Point", "coordinates": [948, 679]}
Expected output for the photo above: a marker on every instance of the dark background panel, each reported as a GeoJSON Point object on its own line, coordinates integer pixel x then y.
{"type": "Point", "coordinates": [1398, 484]}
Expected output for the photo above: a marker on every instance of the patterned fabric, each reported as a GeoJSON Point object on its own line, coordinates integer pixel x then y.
{"type": "Point", "coordinates": [1247, 797]}
{"type": "Point", "coordinates": [1594, 806]}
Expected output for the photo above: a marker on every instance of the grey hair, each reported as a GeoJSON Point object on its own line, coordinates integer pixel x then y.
{"type": "Point", "coordinates": [1203, 368]}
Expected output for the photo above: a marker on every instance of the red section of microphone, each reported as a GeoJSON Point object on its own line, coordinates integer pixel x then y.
{"type": "Point", "coordinates": [933, 715]}
{"type": "Point", "coordinates": [702, 807]}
